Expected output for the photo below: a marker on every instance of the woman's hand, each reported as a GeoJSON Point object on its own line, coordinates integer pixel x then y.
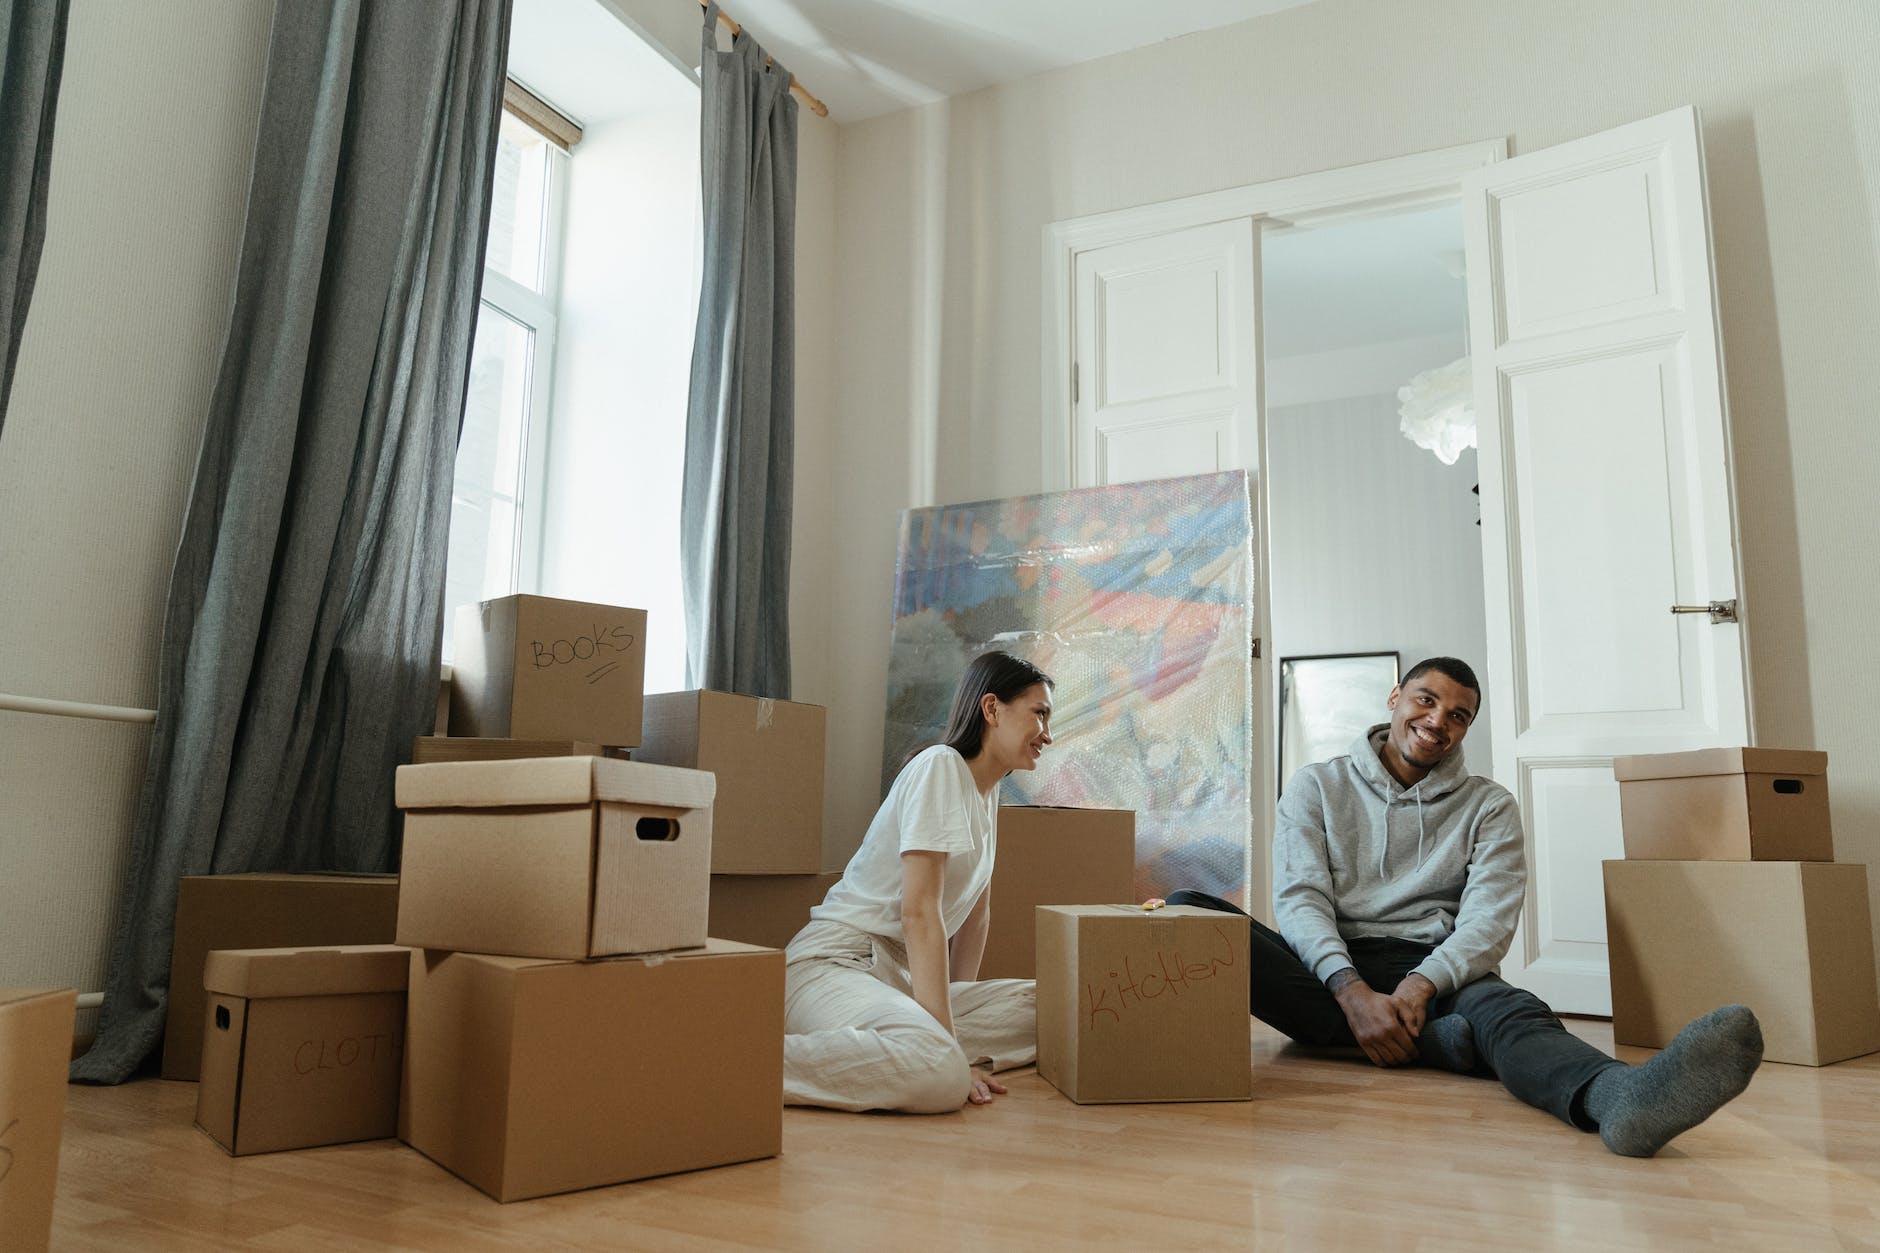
{"type": "Point", "coordinates": [984, 1088]}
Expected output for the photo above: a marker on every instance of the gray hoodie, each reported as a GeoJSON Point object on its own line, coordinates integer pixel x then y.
{"type": "Point", "coordinates": [1357, 854]}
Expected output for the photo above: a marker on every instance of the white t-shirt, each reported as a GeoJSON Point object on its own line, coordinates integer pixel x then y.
{"type": "Point", "coordinates": [933, 806]}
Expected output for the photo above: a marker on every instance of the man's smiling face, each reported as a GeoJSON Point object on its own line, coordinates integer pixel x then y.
{"type": "Point", "coordinates": [1429, 716]}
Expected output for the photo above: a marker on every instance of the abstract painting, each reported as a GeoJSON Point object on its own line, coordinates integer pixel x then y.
{"type": "Point", "coordinates": [1138, 601]}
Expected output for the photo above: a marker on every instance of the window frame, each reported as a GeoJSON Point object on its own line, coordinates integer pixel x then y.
{"type": "Point", "coordinates": [538, 311]}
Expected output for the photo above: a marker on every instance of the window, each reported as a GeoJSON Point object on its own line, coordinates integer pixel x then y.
{"type": "Point", "coordinates": [494, 537]}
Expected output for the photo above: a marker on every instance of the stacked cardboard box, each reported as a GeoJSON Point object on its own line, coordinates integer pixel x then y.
{"type": "Point", "coordinates": [251, 911]}
{"type": "Point", "coordinates": [569, 1022]}
{"type": "Point", "coordinates": [539, 677]}
{"type": "Point", "coordinates": [767, 820]}
{"type": "Point", "coordinates": [301, 1046]}
{"type": "Point", "coordinates": [537, 668]}
{"type": "Point", "coordinates": [1729, 892]}
{"type": "Point", "coordinates": [1052, 856]}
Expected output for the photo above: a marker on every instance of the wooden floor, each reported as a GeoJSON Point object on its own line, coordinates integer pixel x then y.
{"type": "Point", "coordinates": [1331, 1153]}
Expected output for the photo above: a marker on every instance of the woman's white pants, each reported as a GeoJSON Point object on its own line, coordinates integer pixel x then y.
{"type": "Point", "coordinates": [856, 1039]}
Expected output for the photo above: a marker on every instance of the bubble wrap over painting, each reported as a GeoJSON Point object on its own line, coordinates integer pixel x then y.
{"type": "Point", "coordinates": [1138, 602]}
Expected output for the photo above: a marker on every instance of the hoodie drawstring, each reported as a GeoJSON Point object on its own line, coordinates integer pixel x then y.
{"type": "Point", "coordinates": [1383, 843]}
{"type": "Point", "coordinates": [1419, 791]}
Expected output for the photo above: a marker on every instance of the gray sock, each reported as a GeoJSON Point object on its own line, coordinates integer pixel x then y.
{"type": "Point", "coordinates": [1640, 1109]}
{"type": "Point", "coordinates": [1448, 1043]}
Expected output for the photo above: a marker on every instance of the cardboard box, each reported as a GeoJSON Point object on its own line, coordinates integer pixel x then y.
{"type": "Point", "coordinates": [1052, 856]}
{"type": "Point", "coordinates": [1725, 804]}
{"type": "Point", "coordinates": [554, 857]}
{"type": "Point", "coordinates": [1139, 1006]}
{"type": "Point", "coordinates": [432, 748]}
{"type": "Point", "coordinates": [536, 668]}
{"type": "Point", "coordinates": [530, 1077]}
{"type": "Point", "coordinates": [35, 1052]}
{"type": "Point", "coordinates": [441, 724]}
{"type": "Point", "coordinates": [768, 756]}
{"type": "Point", "coordinates": [1791, 940]}
{"type": "Point", "coordinates": [301, 1046]}
{"type": "Point", "coordinates": [766, 909]}
{"type": "Point", "coordinates": [262, 911]}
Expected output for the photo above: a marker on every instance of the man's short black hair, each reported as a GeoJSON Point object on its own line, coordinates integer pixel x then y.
{"type": "Point", "coordinates": [1451, 668]}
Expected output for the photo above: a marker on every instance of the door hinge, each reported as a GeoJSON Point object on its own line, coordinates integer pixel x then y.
{"type": "Point", "coordinates": [1256, 648]}
{"type": "Point", "coordinates": [1074, 388]}
{"type": "Point", "coordinates": [1720, 611]}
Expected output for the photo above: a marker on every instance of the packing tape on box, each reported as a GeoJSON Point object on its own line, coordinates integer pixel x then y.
{"type": "Point", "coordinates": [766, 712]}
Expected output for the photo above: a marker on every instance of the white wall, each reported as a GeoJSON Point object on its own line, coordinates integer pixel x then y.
{"type": "Point", "coordinates": [155, 132]}
{"type": "Point", "coordinates": [1791, 111]}
{"type": "Point", "coordinates": [629, 294]}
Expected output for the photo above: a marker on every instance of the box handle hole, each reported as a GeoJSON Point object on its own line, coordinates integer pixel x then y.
{"type": "Point", "coordinates": [1788, 787]}
{"type": "Point", "coordinates": [650, 828]}
{"type": "Point", "coordinates": [221, 1018]}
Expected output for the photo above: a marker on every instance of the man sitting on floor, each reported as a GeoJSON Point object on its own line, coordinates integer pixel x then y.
{"type": "Point", "coordinates": [1398, 878]}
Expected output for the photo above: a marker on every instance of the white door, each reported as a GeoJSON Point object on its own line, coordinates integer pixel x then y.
{"type": "Point", "coordinates": [1167, 365]}
{"type": "Point", "coordinates": [1166, 382]}
{"type": "Point", "coordinates": [1606, 500]}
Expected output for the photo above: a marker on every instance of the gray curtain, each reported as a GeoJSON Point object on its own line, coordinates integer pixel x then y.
{"type": "Point", "coordinates": [32, 39]}
{"type": "Point", "coordinates": [300, 646]}
{"type": "Point", "coordinates": [740, 426]}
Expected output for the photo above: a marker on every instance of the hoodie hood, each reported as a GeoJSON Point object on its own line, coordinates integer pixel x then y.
{"type": "Point", "coordinates": [1366, 758]}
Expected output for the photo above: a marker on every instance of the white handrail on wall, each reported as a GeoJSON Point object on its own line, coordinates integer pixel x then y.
{"type": "Point", "coordinates": [74, 709]}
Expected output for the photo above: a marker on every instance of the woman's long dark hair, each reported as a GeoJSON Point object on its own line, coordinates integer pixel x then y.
{"type": "Point", "coordinates": [1001, 674]}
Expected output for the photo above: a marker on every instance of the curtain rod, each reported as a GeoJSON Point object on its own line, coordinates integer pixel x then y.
{"type": "Point", "coordinates": [540, 116]}
{"type": "Point", "coordinates": [815, 106]}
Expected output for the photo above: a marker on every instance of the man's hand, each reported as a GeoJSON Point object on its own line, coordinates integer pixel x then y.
{"type": "Point", "coordinates": [1412, 998]}
{"type": "Point", "coordinates": [1376, 1020]}
{"type": "Point", "coordinates": [984, 1088]}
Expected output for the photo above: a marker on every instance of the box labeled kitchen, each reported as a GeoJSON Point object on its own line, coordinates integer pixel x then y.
{"type": "Point", "coordinates": [1138, 1005]}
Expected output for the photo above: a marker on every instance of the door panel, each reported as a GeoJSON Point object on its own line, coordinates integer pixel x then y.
{"type": "Point", "coordinates": [1591, 450]}
{"type": "Point", "coordinates": [1166, 329]}
{"type": "Point", "coordinates": [1606, 499]}
{"type": "Point", "coordinates": [1166, 450]}
{"type": "Point", "coordinates": [1572, 810]}
{"type": "Point", "coordinates": [1584, 251]}
{"type": "Point", "coordinates": [1167, 355]}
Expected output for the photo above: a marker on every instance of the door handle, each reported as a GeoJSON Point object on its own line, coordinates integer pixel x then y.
{"type": "Point", "coordinates": [1720, 611]}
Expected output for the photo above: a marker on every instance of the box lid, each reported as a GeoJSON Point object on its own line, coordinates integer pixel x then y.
{"type": "Point", "coordinates": [1071, 809]}
{"type": "Point", "coordinates": [552, 781]}
{"type": "Point", "coordinates": [711, 948]}
{"type": "Point", "coordinates": [1719, 761]}
{"type": "Point", "coordinates": [1137, 911]}
{"type": "Point", "coordinates": [19, 996]}
{"type": "Point", "coordinates": [336, 970]}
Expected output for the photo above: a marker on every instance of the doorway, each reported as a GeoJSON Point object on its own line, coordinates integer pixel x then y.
{"type": "Point", "coordinates": [1372, 501]}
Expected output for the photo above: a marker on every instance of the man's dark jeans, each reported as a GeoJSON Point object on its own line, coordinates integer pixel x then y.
{"type": "Point", "coordinates": [1517, 1038]}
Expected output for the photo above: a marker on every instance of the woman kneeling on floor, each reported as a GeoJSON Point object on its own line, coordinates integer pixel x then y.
{"type": "Point", "coordinates": [881, 1005]}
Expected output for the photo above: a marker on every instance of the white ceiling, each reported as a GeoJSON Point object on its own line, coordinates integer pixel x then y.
{"type": "Point", "coordinates": [588, 63]}
{"type": "Point", "coordinates": [1368, 281]}
{"type": "Point", "coordinates": [866, 57]}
